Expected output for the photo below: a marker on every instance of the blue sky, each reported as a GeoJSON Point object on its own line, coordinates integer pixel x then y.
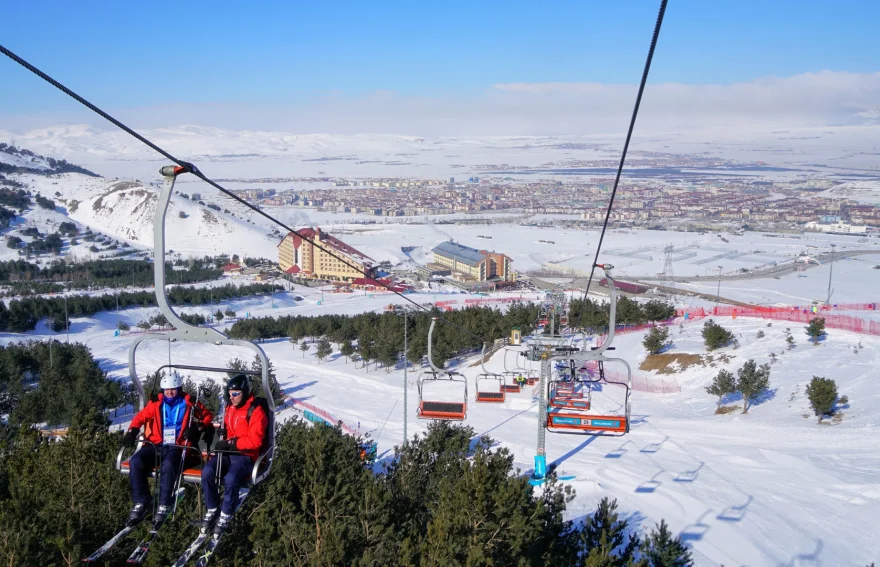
{"type": "Point", "coordinates": [136, 55]}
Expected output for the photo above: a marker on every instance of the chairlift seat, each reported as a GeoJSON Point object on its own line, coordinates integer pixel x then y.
{"type": "Point", "coordinates": [442, 410]}
{"type": "Point", "coordinates": [496, 397]}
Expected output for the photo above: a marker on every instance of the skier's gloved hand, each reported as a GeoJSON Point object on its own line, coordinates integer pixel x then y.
{"type": "Point", "coordinates": [129, 439]}
{"type": "Point", "coordinates": [225, 446]}
{"type": "Point", "coordinates": [208, 435]}
{"type": "Point", "coordinates": [222, 432]}
{"type": "Point", "coordinates": [192, 434]}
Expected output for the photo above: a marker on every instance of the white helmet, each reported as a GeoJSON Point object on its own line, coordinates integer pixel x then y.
{"type": "Point", "coordinates": [171, 380]}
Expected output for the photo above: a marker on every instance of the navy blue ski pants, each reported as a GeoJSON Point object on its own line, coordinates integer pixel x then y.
{"type": "Point", "coordinates": [238, 470]}
{"type": "Point", "coordinates": [143, 462]}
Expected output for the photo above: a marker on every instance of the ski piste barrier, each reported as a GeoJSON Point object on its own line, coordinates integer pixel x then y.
{"type": "Point", "coordinates": [654, 385]}
{"type": "Point", "coordinates": [323, 415]}
{"type": "Point", "coordinates": [794, 314]}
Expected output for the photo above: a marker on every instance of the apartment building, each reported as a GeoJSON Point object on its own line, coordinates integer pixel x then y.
{"type": "Point", "coordinates": [470, 264]}
{"type": "Point", "coordinates": [299, 256]}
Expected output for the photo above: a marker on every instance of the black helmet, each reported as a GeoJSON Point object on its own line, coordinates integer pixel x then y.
{"type": "Point", "coordinates": [239, 382]}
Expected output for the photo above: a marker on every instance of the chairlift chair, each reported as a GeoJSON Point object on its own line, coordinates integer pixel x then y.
{"type": "Point", "coordinates": [486, 395]}
{"type": "Point", "coordinates": [438, 409]}
{"type": "Point", "coordinates": [184, 332]}
{"type": "Point", "coordinates": [569, 419]}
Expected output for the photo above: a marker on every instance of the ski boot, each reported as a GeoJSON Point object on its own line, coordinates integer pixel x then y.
{"type": "Point", "coordinates": [222, 524]}
{"type": "Point", "coordinates": [161, 515]}
{"type": "Point", "coordinates": [138, 513]}
{"type": "Point", "coordinates": [207, 522]}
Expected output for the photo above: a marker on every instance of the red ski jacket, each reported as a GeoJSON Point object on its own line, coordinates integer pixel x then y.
{"type": "Point", "coordinates": [151, 418]}
{"type": "Point", "coordinates": [248, 434]}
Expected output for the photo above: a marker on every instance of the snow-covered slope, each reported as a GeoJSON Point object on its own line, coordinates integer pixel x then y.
{"type": "Point", "coordinates": [125, 210]}
{"type": "Point", "coordinates": [767, 488]}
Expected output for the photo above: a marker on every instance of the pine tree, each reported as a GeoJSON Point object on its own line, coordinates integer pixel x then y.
{"type": "Point", "coordinates": [660, 549]}
{"type": "Point", "coordinates": [304, 347]}
{"type": "Point", "coordinates": [816, 329]}
{"type": "Point", "coordinates": [752, 381]}
{"type": "Point", "coordinates": [822, 393]}
{"type": "Point", "coordinates": [603, 539]}
{"type": "Point", "coordinates": [656, 340]}
{"type": "Point", "coordinates": [324, 349]}
{"type": "Point", "coordinates": [716, 336]}
{"type": "Point", "coordinates": [790, 340]}
{"type": "Point", "coordinates": [346, 349]}
{"type": "Point", "coordinates": [723, 384]}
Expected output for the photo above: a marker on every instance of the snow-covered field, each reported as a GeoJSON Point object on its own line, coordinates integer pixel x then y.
{"type": "Point", "coordinates": [767, 488]}
{"type": "Point", "coordinates": [237, 154]}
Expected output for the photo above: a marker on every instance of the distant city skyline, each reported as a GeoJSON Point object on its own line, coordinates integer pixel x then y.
{"type": "Point", "coordinates": [487, 68]}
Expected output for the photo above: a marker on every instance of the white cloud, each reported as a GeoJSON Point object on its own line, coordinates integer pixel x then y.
{"type": "Point", "coordinates": [813, 99]}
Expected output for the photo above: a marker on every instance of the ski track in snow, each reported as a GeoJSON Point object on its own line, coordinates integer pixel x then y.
{"type": "Point", "coordinates": [767, 488]}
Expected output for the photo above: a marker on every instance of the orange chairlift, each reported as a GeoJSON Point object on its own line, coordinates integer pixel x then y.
{"type": "Point", "coordinates": [510, 383]}
{"type": "Point", "coordinates": [566, 391]}
{"type": "Point", "coordinates": [577, 420]}
{"type": "Point", "coordinates": [184, 332]}
{"type": "Point", "coordinates": [485, 392]}
{"type": "Point", "coordinates": [430, 407]}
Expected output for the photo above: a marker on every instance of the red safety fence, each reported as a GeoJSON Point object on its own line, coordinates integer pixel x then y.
{"type": "Point", "coordinates": [658, 384]}
{"type": "Point", "coordinates": [793, 314]}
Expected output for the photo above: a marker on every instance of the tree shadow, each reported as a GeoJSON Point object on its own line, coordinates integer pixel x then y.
{"type": "Point", "coordinates": [108, 365]}
{"type": "Point", "coordinates": [654, 447]}
{"type": "Point", "coordinates": [697, 530]}
{"type": "Point", "coordinates": [689, 476]}
{"type": "Point", "coordinates": [617, 453]}
{"type": "Point", "coordinates": [735, 513]}
{"type": "Point", "coordinates": [650, 486]}
{"type": "Point", "coordinates": [763, 397]}
{"type": "Point", "coordinates": [298, 387]}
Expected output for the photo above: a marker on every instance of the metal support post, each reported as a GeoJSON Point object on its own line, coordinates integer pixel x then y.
{"type": "Point", "coordinates": [405, 365]}
{"type": "Point", "coordinates": [541, 455]}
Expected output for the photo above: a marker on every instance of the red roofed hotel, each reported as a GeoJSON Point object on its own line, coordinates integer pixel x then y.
{"type": "Point", "coordinates": [300, 257]}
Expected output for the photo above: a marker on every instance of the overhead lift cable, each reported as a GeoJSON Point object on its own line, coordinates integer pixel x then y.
{"type": "Point", "coordinates": [191, 168]}
{"type": "Point", "coordinates": [632, 124]}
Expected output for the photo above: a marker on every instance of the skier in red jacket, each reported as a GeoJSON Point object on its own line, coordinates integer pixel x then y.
{"type": "Point", "coordinates": [245, 422]}
{"type": "Point", "coordinates": [166, 422]}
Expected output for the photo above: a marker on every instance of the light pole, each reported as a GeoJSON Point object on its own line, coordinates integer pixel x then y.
{"type": "Point", "coordinates": [830, 271]}
{"type": "Point", "coordinates": [718, 293]}
{"type": "Point", "coordinates": [66, 319]}
{"type": "Point", "coordinates": [405, 367]}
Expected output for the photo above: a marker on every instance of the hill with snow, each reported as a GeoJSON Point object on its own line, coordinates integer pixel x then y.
{"type": "Point", "coordinates": [770, 487]}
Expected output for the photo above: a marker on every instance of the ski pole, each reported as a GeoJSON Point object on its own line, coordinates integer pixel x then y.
{"type": "Point", "coordinates": [183, 451]}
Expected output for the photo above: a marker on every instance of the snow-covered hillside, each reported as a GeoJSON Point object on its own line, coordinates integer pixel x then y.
{"type": "Point", "coordinates": [125, 210]}
{"type": "Point", "coordinates": [767, 488]}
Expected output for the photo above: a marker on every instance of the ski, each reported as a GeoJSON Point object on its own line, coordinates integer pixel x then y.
{"type": "Point", "coordinates": [109, 545]}
{"type": "Point", "coordinates": [140, 552]}
{"type": "Point", "coordinates": [190, 551]}
{"type": "Point", "coordinates": [215, 540]}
